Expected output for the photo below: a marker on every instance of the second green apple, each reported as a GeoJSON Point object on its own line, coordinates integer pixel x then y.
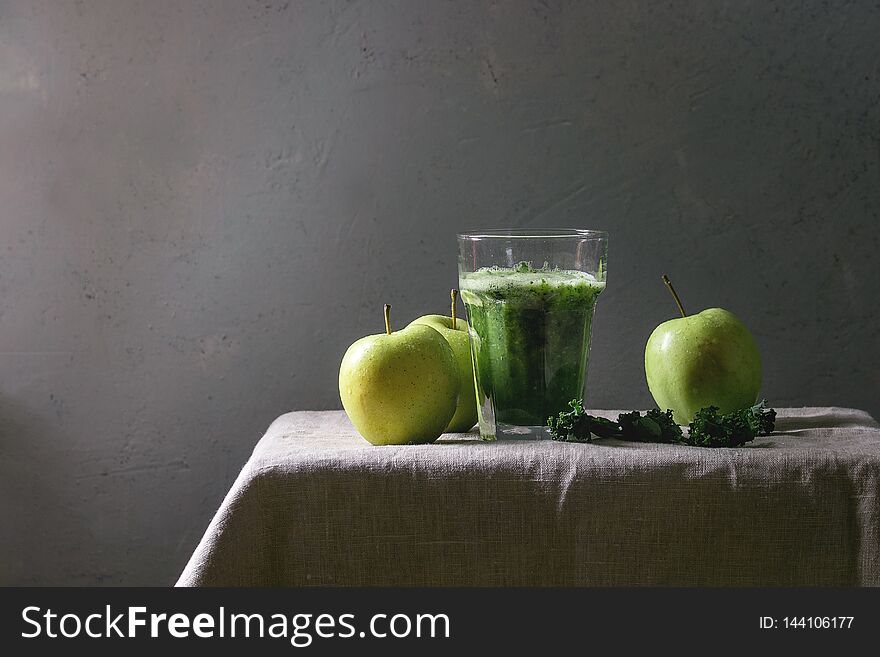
{"type": "Point", "coordinates": [707, 359]}
{"type": "Point", "coordinates": [455, 332]}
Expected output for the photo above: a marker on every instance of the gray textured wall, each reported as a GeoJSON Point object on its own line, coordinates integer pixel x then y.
{"type": "Point", "coordinates": [203, 203]}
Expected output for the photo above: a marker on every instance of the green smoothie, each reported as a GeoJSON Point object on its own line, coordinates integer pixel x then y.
{"type": "Point", "coordinates": [530, 339]}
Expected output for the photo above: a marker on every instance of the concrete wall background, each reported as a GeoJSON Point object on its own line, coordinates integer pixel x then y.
{"type": "Point", "coordinates": [203, 203]}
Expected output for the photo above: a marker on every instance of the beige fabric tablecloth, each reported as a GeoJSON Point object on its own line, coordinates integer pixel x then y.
{"type": "Point", "coordinates": [317, 505]}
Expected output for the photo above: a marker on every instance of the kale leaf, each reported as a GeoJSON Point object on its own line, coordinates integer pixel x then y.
{"type": "Point", "coordinates": [655, 426]}
{"type": "Point", "coordinates": [576, 426]}
{"type": "Point", "coordinates": [712, 429]}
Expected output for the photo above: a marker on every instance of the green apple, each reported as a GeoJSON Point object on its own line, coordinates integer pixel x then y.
{"type": "Point", "coordinates": [399, 387]}
{"type": "Point", "coordinates": [455, 331]}
{"type": "Point", "coordinates": [707, 359]}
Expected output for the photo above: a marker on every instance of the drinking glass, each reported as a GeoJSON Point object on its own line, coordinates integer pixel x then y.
{"type": "Point", "coordinates": [529, 296]}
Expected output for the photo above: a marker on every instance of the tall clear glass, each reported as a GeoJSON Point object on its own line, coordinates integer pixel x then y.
{"type": "Point", "coordinates": [530, 297]}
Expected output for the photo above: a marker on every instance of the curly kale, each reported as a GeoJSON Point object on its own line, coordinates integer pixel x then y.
{"type": "Point", "coordinates": [655, 426]}
{"type": "Point", "coordinates": [576, 426]}
{"type": "Point", "coordinates": [711, 429]}
{"type": "Point", "coordinates": [708, 429]}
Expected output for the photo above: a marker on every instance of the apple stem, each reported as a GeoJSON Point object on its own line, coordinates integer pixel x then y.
{"type": "Point", "coordinates": [454, 294]}
{"type": "Point", "coordinates": [387, 319]}
{"type": "Point", "coordinates": [674, 295]}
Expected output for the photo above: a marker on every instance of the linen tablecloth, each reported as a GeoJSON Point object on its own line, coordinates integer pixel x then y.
{"type": "Point", "coordinates": [317, 505]}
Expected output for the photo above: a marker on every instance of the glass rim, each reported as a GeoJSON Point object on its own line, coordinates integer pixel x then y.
{"type": "Point", "coordinates": [533, 233]}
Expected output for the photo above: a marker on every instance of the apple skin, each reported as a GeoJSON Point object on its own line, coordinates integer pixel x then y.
{"type": "Point", "coordinates": [707, 359]}
{"type": "Point", "coordinates": [399, 388]}
{"type": "Point", "coordinates": [466, 412]}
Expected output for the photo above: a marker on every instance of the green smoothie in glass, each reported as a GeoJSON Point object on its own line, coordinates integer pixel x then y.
{"type": "Point", "coordinates": [530, 339]}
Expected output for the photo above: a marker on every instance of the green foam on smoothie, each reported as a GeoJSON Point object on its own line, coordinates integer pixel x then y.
{"type": "Point", "coordinates": [529, 285]}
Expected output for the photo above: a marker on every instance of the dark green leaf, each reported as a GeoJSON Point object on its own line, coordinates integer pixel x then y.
{"type": "Point", "coordinates": [655, 426]}
{"type": "Point", "coordinates": [711, 429]}
{"type": "Point", "coordinates": [576, 426]}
